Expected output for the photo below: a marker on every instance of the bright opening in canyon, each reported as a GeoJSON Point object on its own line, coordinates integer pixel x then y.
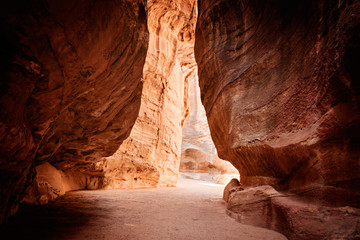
{"type": "Point", "coordinates": [229, 119]}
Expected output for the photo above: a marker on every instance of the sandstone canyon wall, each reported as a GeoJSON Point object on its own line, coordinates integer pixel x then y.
{"type": "Point", "coordinates": [70, 87]}
{"type": "Point", "coordinates": [150, 157]}
{"type": "Point", "coordinates": [279, 82]}
{"type": "Point", "coordinates": [75, 81]}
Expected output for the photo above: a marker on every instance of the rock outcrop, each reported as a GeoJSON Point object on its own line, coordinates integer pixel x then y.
{"type": "Point", "coordinates": [279, 82]}
{"type": "Point", "coordinates": [70, 86]}
{"type": "Point", "coordinates": [291, 215]}
{"type": "Point", "coordinates": [94, 94]}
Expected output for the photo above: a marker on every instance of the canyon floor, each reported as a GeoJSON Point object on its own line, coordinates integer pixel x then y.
{"type": "Point", "coordinates": [192, 210]}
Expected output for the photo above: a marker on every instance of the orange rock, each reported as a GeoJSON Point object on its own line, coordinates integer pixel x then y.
{"type": "Point", "coordinates": [290, 215]}
{"type": "Point", "coordinates": [150, 157]}
{"type": "Point", "coordinates": [71, 86]}
{"type": "Point", "coordinates": [278, 84]}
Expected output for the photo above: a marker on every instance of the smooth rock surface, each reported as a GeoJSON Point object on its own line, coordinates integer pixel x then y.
{"type": "Point", "coordinates": [293, 216]}
{"type": "Point", "coordinates": [198, 153]}
{"type": "Point", "coordinates": [197, 145]}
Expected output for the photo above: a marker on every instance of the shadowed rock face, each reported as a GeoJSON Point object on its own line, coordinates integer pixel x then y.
{"type": "Point", "coordinates": [70, 86]}
{"type": "Point", "coordinates": [278, 79]}
{"type": "Point", "coordinates": [263, 206]}
{"type": "Point", "coordinates": [281, 92]}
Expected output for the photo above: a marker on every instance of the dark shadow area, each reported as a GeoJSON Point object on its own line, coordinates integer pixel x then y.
{"type": "Point", "coordinates": [55, 220]}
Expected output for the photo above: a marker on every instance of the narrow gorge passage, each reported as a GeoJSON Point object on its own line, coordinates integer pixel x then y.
{"type": "Point", "coordinates": [118, 96]}
{"type": "Point", "coordinates": [192, 210]}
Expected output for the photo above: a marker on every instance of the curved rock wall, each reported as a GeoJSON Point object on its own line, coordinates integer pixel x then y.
{"type": "Point", "coordinates": [279, 82]}
{"type": "Point", "coordinates": [70, 86]}
{"type": "Point", "coordinates": [150, 157]}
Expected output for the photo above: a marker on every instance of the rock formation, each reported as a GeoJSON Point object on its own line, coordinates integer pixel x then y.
{"type": "Point", "coordinates": [278, 82]}
{"type": "Point", "coordinates": [94, 95]}
{"type": "Point", "coordinates": [76, 81]}
{"type": "Point", "coordinates": [280, 87]}
{"type": "Point", "coordinates": [290, 214]}
{"type": "Point", "coordinates": [150, 157]}
{"type": "Point", "coordinates": [70, 86]}
{"type": "Point", "coordinates": [198, 153]}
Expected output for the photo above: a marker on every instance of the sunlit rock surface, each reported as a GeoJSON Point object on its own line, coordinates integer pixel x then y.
{"type": "Point", "coordinates": [150, 157]}
{"type": "Point", "coordinates": [198, 154]}
{"type": "Point", "coordinates": [51, 183]}
{"type": "Point", "coordinates": [70, 86]}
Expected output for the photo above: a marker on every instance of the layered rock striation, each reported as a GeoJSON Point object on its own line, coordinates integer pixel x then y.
{"type": "Point", "coordinates": [70, 86]}
{"type": "Point", "coordinates": [291, 215]}
{"type": "Point", "coordinates": [280, 87]}
{"type": "Point", "coordinates": [279, 84]}
{"type": "Point", "coordinates": [76, 82]}
{"type": "Point", "coordinates": [150, 157]}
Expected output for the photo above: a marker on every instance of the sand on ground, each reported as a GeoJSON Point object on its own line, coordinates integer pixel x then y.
{"type": "Point", "coordinates": [192, 210]}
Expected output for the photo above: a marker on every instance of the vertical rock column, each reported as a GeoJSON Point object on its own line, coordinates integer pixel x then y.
{"type": "Point", "coordinates": [150, 157]}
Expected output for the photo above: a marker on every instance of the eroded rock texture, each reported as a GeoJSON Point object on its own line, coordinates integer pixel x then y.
{"type": "Point", "coordinates": [70, 86]}
{"type": "Point", "coordinates": [280, 86]}
{"type": "Point", "coordinates": [291, 215]}
{"type": "Point", "coordinates": [279, 82]}
{"type": "Point", "coordinates": [150, 157]}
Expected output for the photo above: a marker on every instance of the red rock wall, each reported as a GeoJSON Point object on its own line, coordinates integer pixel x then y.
{"type": "Point", "coordinates": [70, 86]}
{"type": "Point", "coordinates": [279, 82]}
{"type": "Point", "coordinates": [150, 157]}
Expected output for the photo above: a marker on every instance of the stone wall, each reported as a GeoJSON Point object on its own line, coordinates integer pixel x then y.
{"type": "Point", "coordinates": [279, 84]}
{"type": "Point", "coordinates": [150, 157]}
{"type": "Point", "coordinates": [70, 86]}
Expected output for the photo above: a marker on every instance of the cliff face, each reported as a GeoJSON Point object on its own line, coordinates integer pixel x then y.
{"type": "Point", "coordinates": [279, 84]}
{"type": "Point", "coordinates": [75, 81]}
{"type": "Point", "coordinates": [150, 157]}
{"type": "Point", "coordinates": [94, 95]}
{"type": "Point", "coordinates": [70, 86]}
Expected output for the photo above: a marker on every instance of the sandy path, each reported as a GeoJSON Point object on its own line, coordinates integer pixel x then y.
{"type": "Point", "coordinates": [193, 210]}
